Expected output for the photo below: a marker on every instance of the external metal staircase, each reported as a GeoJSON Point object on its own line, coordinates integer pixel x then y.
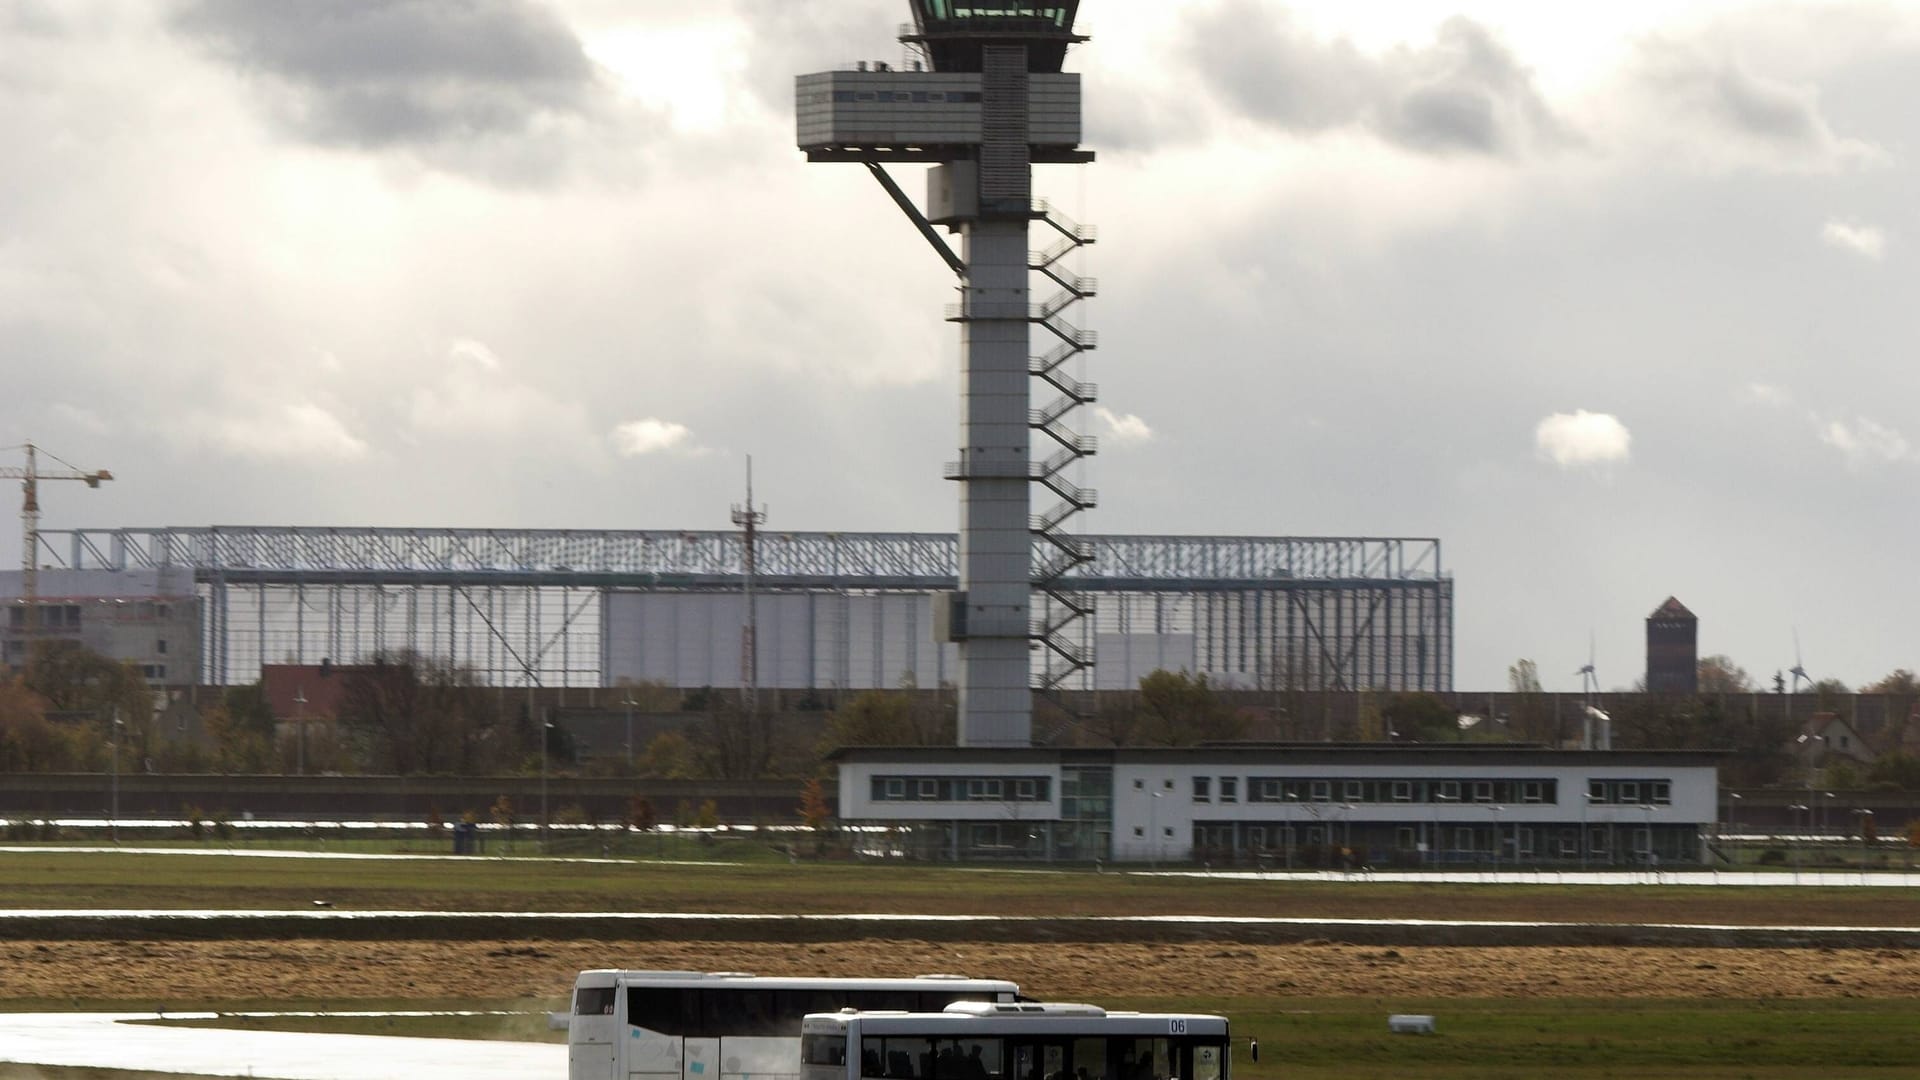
{"type": "Point", "coordinates": [1061, 614]}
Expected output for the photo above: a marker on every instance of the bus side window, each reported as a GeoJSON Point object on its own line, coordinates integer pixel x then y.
{"type": "Point", "coordinates": [666, 1010]}
{"type": "Point", "coordinates": [593, 1001]}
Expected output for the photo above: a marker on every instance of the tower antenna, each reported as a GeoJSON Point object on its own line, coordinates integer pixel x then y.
{"type": "Point", "coordinates": [749, 520]}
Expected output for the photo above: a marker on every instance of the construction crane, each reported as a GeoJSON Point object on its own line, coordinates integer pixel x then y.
{"type": "Point", "coordinates": [30, 478]}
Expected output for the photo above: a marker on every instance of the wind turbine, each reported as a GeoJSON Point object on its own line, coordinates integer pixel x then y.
{"type": "Point", "coordinates": [1589, 682]}
{"type": "Point", "coordinates": [1798, 671]}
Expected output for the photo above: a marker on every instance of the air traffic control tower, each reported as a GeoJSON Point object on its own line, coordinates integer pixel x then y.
{"type": "Point", "coordinates": [984, 101]}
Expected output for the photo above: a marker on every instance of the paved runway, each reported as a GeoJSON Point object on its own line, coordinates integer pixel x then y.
{"type": "Point", "coordinates": [108, 1041]}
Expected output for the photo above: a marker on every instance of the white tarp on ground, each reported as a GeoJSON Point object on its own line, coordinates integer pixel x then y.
{"type": "Point", "coordinates": [107, 1041]}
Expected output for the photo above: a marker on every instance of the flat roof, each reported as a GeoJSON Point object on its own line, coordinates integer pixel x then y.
{"type": "Point", "coordinates": [1275, 754]}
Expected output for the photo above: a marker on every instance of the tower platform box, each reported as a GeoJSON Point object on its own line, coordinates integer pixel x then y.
{"type": "Point", "coordinates": [1410, 1024]}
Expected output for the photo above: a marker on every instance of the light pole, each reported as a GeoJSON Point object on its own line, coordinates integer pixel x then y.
{"type": "Point", "coordinates": [1293, 808]}
{"type": "Point", "coordinates": [299, 731]}
{"type": "Point", "coordinates": [1586, 830]}
{"type": "Point", "coordinates": [1153, 830]}
{"type": "Point", "coordinates": [1794, 809]}
{"type": "Point", "coordinates": [113, 778]}
{"type": "Point", "coordinates": [1440, 798]}
{"type": "Point", "coordinates": [546, 726]}
{"type": "Point", "coordinates": [1495, 811]}
{"type": "Point", "coordinates": [1864, 822]}
{"type": "Point", "coordinates": [1733, 824]}
{"type": "Point", "coordinates": [629, 703]}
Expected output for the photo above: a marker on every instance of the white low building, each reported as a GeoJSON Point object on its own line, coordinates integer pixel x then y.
{"type": "Point", "coordinates": [1308, 804]}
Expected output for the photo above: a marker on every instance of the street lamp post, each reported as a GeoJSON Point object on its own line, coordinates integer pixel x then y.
{"type": "Point", "coordinates": [546, 727]}
{"type": "Point", "coordinates": [1153, 830]}
{"type": "Point", "coordinates": [1864, 822]}
{"type": "Point", "coordinates": [1795, 809]}
{"type": "Point", "coordinates": [629, 703]}
{"type": "Point", "coordinates": [299, 731]}
{"type": "Point", "coordinates": [1293, 808]}
{"type": "Point", "coordinates": [113, 778]}
{"type": "Point", "coordinates": [1440, 798]}
{"type": "Point", "coordinates": [1495, 811]}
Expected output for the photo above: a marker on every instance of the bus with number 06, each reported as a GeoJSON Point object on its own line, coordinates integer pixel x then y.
{"type": "Point", "coordinates": [689, 1025]}
{"type": "Point", "coordinates": [1015, 1041]}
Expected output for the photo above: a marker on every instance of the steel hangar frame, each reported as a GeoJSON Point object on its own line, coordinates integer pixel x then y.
{"type": "Point", "coordinates": [522, 606]}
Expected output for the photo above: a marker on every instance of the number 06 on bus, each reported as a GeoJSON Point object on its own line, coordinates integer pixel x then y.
{"type": "Point", "coordinates": [1018, 1041]}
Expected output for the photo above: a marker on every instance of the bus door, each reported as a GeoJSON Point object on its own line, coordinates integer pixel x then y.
{"type": "Point", "coordinates": [700, 1059]}
{"type": "Point", "coordinates": [759, 1057]}
{"type": "Point", "coordinates": [592, 1031]}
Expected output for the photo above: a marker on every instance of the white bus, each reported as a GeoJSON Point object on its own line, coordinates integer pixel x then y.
{"type": "Point", "coordinates": [996, 1041]}
{"type": "Point", "coordinates": [685, 1025]}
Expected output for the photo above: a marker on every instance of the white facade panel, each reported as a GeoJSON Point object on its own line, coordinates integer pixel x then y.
{"type": "Point", "coordinates": [1122, 660]}
{"type": "Point", "coordinates": [804, 640]}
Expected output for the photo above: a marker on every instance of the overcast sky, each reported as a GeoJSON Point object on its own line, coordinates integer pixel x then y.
{"type": "Point", "coordinates": [1618, 300]}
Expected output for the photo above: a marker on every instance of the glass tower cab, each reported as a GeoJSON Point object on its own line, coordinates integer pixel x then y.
{"type": "Point", "coordinates": [953, 31]}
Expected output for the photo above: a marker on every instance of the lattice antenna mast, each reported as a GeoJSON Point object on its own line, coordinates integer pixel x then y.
{"type": "Point", "coordinates": [30, 478]}
{"type": "Point", "coordinates": [749, 520]}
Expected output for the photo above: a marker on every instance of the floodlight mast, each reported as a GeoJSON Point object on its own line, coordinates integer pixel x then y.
{"type": "Point", "coordinates": [991, 102]}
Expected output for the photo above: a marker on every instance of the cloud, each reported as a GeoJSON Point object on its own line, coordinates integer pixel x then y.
{"type": "Point", "coordinates": [1465, 93]}
{"type": "Point", "coordinates": [1765, 394]}
{"type": "Point", "coordinates": [1123, 427]}
{"type": "Point", "coordinates": [1862, 240]}
{"type": "Point", "coordinates": [302, 431]}
{"type": "Point", "coordinates": [477, 396]}
{"type": "Point", "coordinates": [1733, 112]}
{"type": "Point", "coordinates": [650, 436]}
{"type": "Point", "coordinates": [1582, 438]}
{"type": "Point", "coordinates": [442, 78]}
{"type": "Point", "coordinates": [1865, 443]}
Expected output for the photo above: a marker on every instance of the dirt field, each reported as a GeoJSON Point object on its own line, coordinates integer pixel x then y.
{"type": "Point", "coordinates": [179, 974]}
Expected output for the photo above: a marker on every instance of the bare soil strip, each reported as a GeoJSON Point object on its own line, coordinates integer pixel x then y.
{"type": "Point", "coordinates": [182, 973]}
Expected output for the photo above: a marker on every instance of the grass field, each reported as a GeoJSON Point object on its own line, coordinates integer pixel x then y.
{"type": "Point", "coordinates": [135, 879]}
{"type": "Point", "coordinates": [1305, 1036]}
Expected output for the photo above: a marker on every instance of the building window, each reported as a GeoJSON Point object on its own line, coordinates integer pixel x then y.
{"type": "Point", "coordinates": [1167, 784]}
{"type": "Point", "coordinates": [1322, 791]}
{"type": "Point", "coordinates": [1596, 791]}
{"type": "Point", "coordinates": [1403, 838]}
{"type": "Point", "coordinates": [1023, 790]}
{"type": "Point", "coordinates": [930, 790]}
{"type": "Point", "coordinates": [1532, 791]}
{"type": "Point", "coordinates": [1482, 791]}
{"type": "Point", "coordinates": [1449, 791]}
{"type": "Point", "coordinates": [1629, 792]}
{"type": "Point", "coordinates": [1229, 789]}
{"type": "Point", "coordinates": [1463, 839]}
{"type": "Point", "coordinates": [1166, 830]}
{"type": "Point", "coordinates": [1659, 791]}
{"type": "Point", "coordinates": [1139, 785]}
{"type": "Point", "coordinates": [160, 646]}
{"type": "Point", "coordinates": [896, 788]}
{"type": "Point", "coordinates": [1138, 831]}
{"type": "Point", "coordinates": [1356, 791]}
{"type": "Point", "coordinates": [1402, 791]}
{"type": "Point", "coordinates": [1200, 789]}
